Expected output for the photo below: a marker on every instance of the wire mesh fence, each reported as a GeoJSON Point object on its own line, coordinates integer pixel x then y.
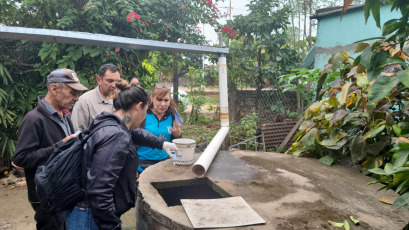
{"type": "Point", "coordinates": [277, 112]}
{"type": "Point", "coordinates": [271, 104]}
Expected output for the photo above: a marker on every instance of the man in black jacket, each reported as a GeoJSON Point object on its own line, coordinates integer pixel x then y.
{"type": "Point", "coordinates": [42, 130]}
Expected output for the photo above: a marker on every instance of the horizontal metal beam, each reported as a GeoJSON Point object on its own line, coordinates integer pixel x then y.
{"type": "Point", "coordinates": [90, 39]}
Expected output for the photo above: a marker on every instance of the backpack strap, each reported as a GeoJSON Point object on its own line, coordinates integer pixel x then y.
{"type": "Point", "coordinates": [85, 135]}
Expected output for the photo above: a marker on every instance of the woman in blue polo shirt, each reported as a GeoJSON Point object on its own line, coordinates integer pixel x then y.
{"type": "Point", "coordinates": [160, 120]}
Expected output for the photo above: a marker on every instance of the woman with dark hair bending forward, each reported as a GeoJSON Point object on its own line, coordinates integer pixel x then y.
{"type": "Point", "coordinates": [111, 163]}
{"type": "Point", "coordinates": [160, 120]}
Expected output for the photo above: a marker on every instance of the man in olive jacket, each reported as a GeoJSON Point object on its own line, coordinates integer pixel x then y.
{"type": "Point", "coordinates": [42, 130]}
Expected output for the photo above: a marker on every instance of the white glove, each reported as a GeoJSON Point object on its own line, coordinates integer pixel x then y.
{"type": "Point", "coordinates": [169, 147]}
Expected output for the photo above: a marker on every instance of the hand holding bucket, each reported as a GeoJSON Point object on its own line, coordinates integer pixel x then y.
{"type": "Point", "coordinates": [169, 148]}
{"type": "Point", "coordinates": [185, 151]}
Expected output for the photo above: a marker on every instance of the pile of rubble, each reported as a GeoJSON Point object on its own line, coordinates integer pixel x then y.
{"type": "Point", "coordinates": [13, 178]}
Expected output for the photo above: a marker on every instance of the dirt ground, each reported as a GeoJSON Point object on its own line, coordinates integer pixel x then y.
{"type": "Point", "coordinates": [16, 212]}
{"type": "Point", "coordinates": [209, 111]}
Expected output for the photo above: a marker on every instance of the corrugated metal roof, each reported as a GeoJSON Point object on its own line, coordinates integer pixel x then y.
{"type": "Point", "coordinates": [309, 59]}
{"type": "Point", "coordinates": [324, 12]}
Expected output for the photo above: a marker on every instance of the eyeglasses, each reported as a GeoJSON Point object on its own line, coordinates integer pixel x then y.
{"type": "Point", "coordinates": [162, 86]}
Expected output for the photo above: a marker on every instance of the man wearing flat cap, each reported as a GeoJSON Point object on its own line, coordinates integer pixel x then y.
{"type": "Point", "coordinates": [42, 130]}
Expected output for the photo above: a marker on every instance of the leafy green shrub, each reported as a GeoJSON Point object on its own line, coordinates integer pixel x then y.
{"type": "Point", "coordinates": [304, 80]}
{"type": "Point", "coordinates": [18, 93]}
{"type": "Point", "coordinates": [395, 174]}
{"type": "Point", "coordinates": [245, 128]}
{"type": "Point", "coordinates": [196, 93]}
{"type": "Point", "coordinates": [365, 116]}
{"type": "Point", "coordinates": [369, 119]}
{"type": "Point", "coordinates": [363, 119]}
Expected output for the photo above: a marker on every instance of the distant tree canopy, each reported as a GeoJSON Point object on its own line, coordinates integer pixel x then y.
{"type": "Point", "coordinates": [259, 53]}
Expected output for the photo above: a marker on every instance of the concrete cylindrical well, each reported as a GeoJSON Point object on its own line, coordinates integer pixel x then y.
{"type": "Point", "coordinates": [288, 192]}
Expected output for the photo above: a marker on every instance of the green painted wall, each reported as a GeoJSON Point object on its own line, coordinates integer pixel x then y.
{"type": "Point", "coordinates": [334, 35]}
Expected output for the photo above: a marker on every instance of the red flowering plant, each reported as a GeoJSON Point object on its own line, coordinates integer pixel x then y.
{"type": "Point", "coordinates": [85, 6]}
{"type": "Point", "coordinates": [174, 21]}
{"type": "Point", "coordinates": [131, 16]}
{"type": "Point", "coordinates": [230, 32]}
{"type": "Point", "coordinates": [170, 21]}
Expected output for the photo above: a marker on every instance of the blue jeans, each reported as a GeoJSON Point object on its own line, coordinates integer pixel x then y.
{"type": "Point", "coordinates": [80, 218]}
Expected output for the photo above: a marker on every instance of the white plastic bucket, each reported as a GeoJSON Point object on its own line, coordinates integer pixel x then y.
{"type": "Point", "coordinates": [186, 149]}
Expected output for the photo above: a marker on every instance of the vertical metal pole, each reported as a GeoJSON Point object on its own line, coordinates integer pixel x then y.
{"type": "Point", "coordinates": [203, 71]}
{"type": "Point", "coordinates": [264, 143]}
{"type": "Point", "coordinates": [224, 102]}
{"type": "Point", "coordinates": [230, 11]}
{"type": "Point", "coordinates": [175, 78]}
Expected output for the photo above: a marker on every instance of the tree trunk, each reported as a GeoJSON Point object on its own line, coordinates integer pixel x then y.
{"type": "Point", "coordinates": [175, 78]}
{"type": "Point", "coordinates": [140, 60]}
{"type": "Point", "coordinates": [299, 26]}
{"type": "Point", "coordinates": [304, 37]}
{"type": "Point", "coordinates": [292, 24]}
{"type": "Point", "coordinates": [298, 102]}
{"type": "Point", "coordinates": [191, 114]}
{"type": "Point", "coordinates": [310, 29]}
{"type": "Point", "coordinates": [260, 79]}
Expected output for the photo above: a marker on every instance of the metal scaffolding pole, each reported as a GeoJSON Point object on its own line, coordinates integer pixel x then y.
{"type": "Point", "coordinates": [83, 38]}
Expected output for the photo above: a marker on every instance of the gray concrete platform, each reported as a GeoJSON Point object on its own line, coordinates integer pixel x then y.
{"type": "Point", "coordinates": [288, 192]}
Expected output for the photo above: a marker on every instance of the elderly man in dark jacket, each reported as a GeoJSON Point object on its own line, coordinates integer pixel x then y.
{"type": "Point", "coordinates": [42, 130]}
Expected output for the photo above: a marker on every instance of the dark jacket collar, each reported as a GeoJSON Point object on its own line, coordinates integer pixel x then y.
{"type": "Point", "coordinates": [41, 107]}
{"type": "Point", "coordinates": [106, 115]}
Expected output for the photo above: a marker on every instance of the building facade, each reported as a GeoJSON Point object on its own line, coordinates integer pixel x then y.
{"type": "Point", "coordinates": [334, 35]}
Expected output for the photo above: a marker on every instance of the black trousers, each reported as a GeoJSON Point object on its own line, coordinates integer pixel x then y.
{"type": "Point", "coordinates": [47, 221]}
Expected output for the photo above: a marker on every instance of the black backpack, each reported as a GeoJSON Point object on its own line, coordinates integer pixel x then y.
{"type": "Point", "coordinates": [61, 182]}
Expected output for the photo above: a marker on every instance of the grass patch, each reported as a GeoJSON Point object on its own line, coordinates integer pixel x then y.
{"type": "Point", "coordinates": [194, 130]}
{"type": "Point", "coordinates": [211, 101]}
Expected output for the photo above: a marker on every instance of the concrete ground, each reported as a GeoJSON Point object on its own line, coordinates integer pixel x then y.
{"type": "Point", "coordinates": [288, 192]}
